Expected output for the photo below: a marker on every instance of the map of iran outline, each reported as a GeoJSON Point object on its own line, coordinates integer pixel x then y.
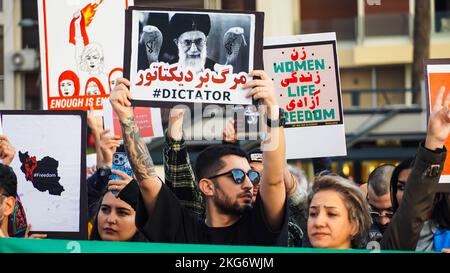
{"type": "Point", "coordinates": [43, 174]}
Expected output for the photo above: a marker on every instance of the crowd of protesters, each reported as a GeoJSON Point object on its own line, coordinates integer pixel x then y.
{"type": "Point", "coordinates": [230, 196]}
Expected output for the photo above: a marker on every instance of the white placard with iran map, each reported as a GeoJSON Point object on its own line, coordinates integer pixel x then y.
{"type": "Point", "coordinates": [48, 165]}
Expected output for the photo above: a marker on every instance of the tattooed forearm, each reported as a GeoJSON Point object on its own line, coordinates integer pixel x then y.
{"type": "Point", "coordinates": [138, 154]}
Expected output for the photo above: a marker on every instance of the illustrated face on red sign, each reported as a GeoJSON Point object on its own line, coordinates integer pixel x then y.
{"type": "Point", "coordinates": [78, 63]}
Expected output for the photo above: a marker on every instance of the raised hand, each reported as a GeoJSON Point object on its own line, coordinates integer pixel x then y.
{"type": "Point", "coordinates": [7, 151]}
{"type": "Point", "coordinates": [118, 184]}
{"type": "Point", "coordinates": [233, 40]}
{"type": "Point", "coordinates": [91, 170]}
{"type": "Point", "coordinates": [77, 14]}
{"type": "Point", "coordinates": [438, 122]}
{"type": "Point", "coordinates": [120, 99]}
{"type": "Point", "coordinates": [175, 126]}
{"type": "Point", "coordinates": [108, 146]}
{"type": "Point", "coordinates": [263, 90]}
{"type": "Point", "coordinates": [229, 132]}
{"type": "Point", "coordinates": [94, 122]}
{"type": "Point", "coordinates": [152, 39]}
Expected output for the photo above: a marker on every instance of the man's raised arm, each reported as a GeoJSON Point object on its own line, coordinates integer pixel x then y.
{"type": "Point", "coordinates": [272, 189]}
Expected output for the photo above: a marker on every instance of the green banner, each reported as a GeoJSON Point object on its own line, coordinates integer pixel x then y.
{"type": "Point", "coordinates": [15, 245]}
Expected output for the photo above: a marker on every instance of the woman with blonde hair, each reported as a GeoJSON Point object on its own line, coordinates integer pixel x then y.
{"type": "Point", "coordinates": [338, 214]}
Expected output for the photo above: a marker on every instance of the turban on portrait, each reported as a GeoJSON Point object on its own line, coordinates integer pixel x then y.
{"type": "Point", "coordinates": [184, 22]}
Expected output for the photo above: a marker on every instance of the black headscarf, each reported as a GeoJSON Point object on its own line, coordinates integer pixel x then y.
{"type": "Point", "coordinates": [130, 195]}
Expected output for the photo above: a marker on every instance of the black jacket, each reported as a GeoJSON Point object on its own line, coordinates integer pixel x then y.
{"type": "Point", "coordinates": [417, 202]}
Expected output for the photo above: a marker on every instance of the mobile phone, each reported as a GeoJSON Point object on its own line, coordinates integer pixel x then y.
{"type": "Point", "coordinates": [121, 163]}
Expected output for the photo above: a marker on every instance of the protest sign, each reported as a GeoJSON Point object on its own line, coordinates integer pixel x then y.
{"type": "Point", "coordinates": [437, 75]}
{"type": "Point", "coordinates": [186, 57]}
{"type": "Point", "coordinates": [147, 119]}
{"type": "Point", "coordinates": [50, 165]}
{"type": "Point", "coordinates": [81, 45]}
{"type": "Point", "coordinates": [305, 72]}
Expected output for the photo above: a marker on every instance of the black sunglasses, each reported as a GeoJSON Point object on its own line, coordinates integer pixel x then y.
{"type": "Point", "coordinates": [375, 212]}
{"type": "Point", "coordinates": [238, 176]}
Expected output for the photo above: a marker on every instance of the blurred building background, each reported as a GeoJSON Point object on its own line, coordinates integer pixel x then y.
{"type": "Point", "coordinates": [385, 118]}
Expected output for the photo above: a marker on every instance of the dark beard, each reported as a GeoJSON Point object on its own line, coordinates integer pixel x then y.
{"type": "Point", "coordinates": [226, 207]}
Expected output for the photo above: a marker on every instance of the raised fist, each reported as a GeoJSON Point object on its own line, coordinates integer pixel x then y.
{"type": "Point", "coordinates": [152, 39]}
{"type": "Point", "coordinates": [233, 40]}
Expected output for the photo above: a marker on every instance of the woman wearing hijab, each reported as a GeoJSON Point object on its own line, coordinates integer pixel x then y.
{"type": "Point", "coordinates": [115, 218]}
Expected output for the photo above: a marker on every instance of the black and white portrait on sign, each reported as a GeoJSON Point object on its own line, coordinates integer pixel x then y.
{"type": "Point", "coordinates": [191, 57]}
{"type": "Point", "coordinates": [194, 40]}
